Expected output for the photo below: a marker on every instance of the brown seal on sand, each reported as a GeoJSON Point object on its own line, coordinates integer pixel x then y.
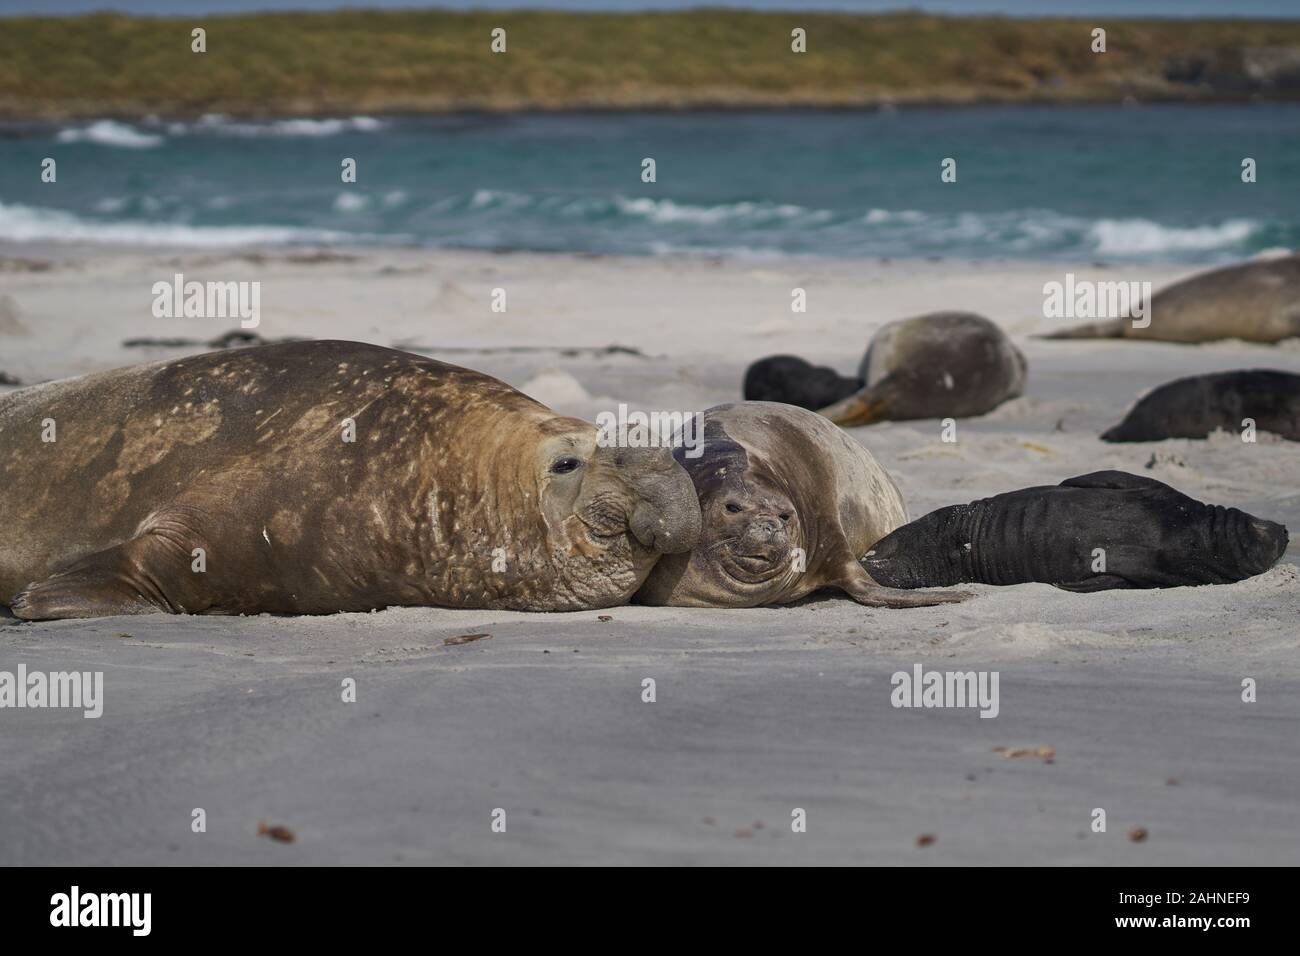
{"type": "Point", "coordinates": [226, 483]}
{"type": "Point", "coordinates": [790, 504]}
{"type": "Point", "coordinates": [1255, 301]}
{"type": "Point", "coordinates": [941, 365]}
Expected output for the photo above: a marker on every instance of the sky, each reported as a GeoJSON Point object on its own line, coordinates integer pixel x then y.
{"type": "Point", "coordinates": [1162, 8]}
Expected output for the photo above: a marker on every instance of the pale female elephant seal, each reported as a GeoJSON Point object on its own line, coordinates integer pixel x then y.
{"type": "Point", "coordinates": [1254, 301]}
{"type": "Point", "coordinates": [790, 503]}
{"type": "Point", "coordinates": [313, 477]}
{"type": "Point", "coordinates": [941, 365]}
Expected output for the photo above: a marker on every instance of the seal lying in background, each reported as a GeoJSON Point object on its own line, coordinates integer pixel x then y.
{"type": "Point", "coordinates": [794, 381]}
{"type": "Point", "coordinates": [1255, 301]}
{"type": "Point", "coordinates": [941, 365]}
{"type": "Point", "coordinates": [456, 491]}
{"type": "Point", "coordinates": [1150, 536]}
{"type": "Point", "coordinates": [790, 503]}
{"type": "Point", "coordinates": [1194, 407]}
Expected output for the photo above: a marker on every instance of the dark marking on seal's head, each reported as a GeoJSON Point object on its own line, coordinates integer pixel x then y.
{"type": "Point", "coordinates": [750, 525]}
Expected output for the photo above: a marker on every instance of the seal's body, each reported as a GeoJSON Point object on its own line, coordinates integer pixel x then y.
{"type": "Point", "coordinates": [1254, 301]}
{"type": "Point", "coordinates": [794, 381]}
{"type": "Point", "coordinates": [1196, 406]}
{"type": "Point", "coordinates": [790, 503]}
{"type": "Point", "coordinates": [941, 365]}
{"type": "Point", "coordinates": [1105, 530]}
{"type": "Point", "coordinates": [313, 477]}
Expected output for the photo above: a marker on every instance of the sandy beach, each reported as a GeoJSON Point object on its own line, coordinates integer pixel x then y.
{"type": "Point", "coordinates": [758, 712]}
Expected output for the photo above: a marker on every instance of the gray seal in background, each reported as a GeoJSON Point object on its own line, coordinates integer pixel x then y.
{"type": "Point", "coordinates": [1194, 407]}
{"type": "Point", "coordinates": [1255, 301]}
{"type": "Point", "coordinates": [941, 365]}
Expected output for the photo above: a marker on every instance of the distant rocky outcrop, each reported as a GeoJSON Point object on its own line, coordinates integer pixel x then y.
{"type": "Point", "coordinates": [433, 61]}
{"type": "Point", "coordinates": [1264, 70]}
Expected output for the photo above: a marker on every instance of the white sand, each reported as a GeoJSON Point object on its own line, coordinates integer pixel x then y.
{"type": "Point", "coordinates": [758, 711]}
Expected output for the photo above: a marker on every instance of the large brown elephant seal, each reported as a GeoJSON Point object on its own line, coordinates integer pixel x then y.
{"type": "Point", "coordinates": [790, 505]}
{"type": "Point", "coordinates": [941, 365]}
{"type": "Point", "coordinates": [225, 483]}
{"type": "Point", "coordinates": [1254, 301]}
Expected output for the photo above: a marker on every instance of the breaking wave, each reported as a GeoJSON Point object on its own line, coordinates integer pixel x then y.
{"type": "Point", "coordinates": [31, 224]}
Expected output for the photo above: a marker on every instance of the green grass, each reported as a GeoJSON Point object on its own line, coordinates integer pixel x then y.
{"type": "Point", "coordinates": [395, 61]}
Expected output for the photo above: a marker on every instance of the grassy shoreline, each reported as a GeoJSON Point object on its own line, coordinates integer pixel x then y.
{"type": "Point", "coordinates": [398, 61]}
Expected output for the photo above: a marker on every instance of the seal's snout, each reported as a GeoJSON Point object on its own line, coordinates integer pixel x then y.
{"type": "Point", "coordinates": [1269, 541]}
{"type": "Point", "coordinates": [666, 514]}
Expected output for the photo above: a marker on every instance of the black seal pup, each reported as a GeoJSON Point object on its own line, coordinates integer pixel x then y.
{"type": "Point", "coordinates": [1196, 406]}
{"type": "Point", "coordinates": [794, 381]}
{"type": "Point", "coordinates": [1105, 530]}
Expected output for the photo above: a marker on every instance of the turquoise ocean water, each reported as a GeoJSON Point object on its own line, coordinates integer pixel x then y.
{"type": "Point", "coordinates": [1113, 184]}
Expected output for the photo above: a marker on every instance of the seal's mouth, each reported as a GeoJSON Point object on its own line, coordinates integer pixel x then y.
{"type": "Point", "coordinates": [746, 562]}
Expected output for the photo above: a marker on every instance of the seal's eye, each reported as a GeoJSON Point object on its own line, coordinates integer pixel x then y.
{"type": "Point", "coordinates": [785, 516]}
{"type": "Point", "coordinates": [733, 507]}
{"type": "Point", "coordinates": [562, 466]}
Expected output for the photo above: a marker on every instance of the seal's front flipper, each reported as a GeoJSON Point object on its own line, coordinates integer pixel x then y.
{"type": "Point", "coordinates": [1110, 329]}
{"type": "Point", "coordinates": [117, 580]}
{"type": "Point", "coordinates": [860, 586]}
{"type": "Point", "coordinates": [864, 407]}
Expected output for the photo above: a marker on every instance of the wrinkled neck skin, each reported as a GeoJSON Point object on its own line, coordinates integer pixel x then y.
{"type": "Point", "coordinates": [1001, 540]}
{"type": "Point", "coordinates": [998, 551]}
{"type": "Point", "coordinates": [488, 536]}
